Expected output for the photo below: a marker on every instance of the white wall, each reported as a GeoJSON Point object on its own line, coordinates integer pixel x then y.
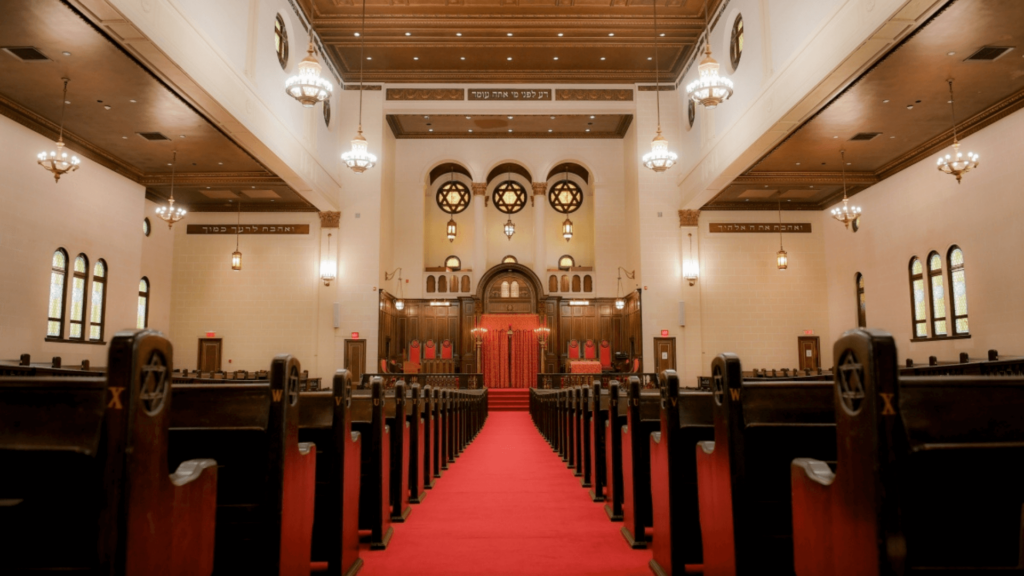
{"type": "Point", "coordinates": [92, 211]}
{"type": "Point", "coordinates": [919, 210]}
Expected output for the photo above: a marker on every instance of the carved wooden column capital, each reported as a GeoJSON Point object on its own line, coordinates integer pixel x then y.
{"type": "Point", "coordinates": [479, 188]}
{"type": "Point", "coordinates": [540, 188]}
{"type": "Point", "coordinates": [688, 217]}
{"type": "Point", "coordinates": [330, 219]}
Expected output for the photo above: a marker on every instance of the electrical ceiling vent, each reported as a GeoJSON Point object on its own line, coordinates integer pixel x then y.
{"type": "Point", "coordinates": [26, 53]}
{"type": "Point", "coordinates": [988, 53]}
{"type": "Point", "coordinates": [864, 136]}
{"type": "Point", "coordinates": [153, 136]}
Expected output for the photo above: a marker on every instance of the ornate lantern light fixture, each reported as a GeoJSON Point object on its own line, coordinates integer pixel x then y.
{"type": "Point", "coordinates": [452, 230]}
{"type": "Point", "coordinates": [620, 302]}
{"type": "Point", "coordinates": [169, 213]}
{"type": "Point", "coordinates": [956, 164]}
{"type": "Point", "coordinates": [510, 228]}
{"type": "Point", "coordinates": [566, 197]}
{"type": "Point", "coordinates": [329, 267]}
{"type": "Point", "coordinates": [359, 159]}
{"type": "Point", "coordinates": [846, 213]}
{"type": "Point", "coordinates": [690, 268]}
{"type": "Point", "coordinates": [307, 86]}
{"type": "Point", "coordinates": [57, 162]}
{"type": "Point", "coordinates": [567, 229]}
{"type": "Point", "coordinates": [509, 197]}
{"type": "Point", "coordinates": [782, 258]}
{"type": "Point", "coordinates": [453, 198]}
{"type": "Point", "coordinates": [236, 256]}
{"type": "Point", "coordinates": [660, 158]}
{"type": "Point", "coordinates": [399, 302]}
{"type": "Point", "coordinates": [710, 88]}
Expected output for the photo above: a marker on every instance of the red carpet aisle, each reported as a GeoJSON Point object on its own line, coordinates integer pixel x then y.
{"type": "Point", "coordinates": [507, 506]}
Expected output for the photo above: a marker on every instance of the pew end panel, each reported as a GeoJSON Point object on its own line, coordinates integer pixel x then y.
{"type": "Point", "coordinates": [813, 552]}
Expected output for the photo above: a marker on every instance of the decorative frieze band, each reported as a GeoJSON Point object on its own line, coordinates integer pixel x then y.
{"type": "Point", "coordinates": [426, 94]}
{"type": "Point", "coordinates": [583, 94]}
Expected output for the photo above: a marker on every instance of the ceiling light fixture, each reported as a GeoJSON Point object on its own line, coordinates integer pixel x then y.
{"type": "Point", "coordinates": [458, 33]}
{"type": "Point", "coordinates": [408, 33]}
{"type": "Point", "coordinates": [57, 162]}
{"type": "Point", "coordinates": [307, 86]}
{"type": "Point", "coordinates": [782, 259]}
{"type": "Point", "coordinates": [399, 303]}
{"type": "Point", "coordinates": [709, 89]}
{"type": "Point", "coordinates": [359, 159]}
{"type": "Point", "coordinates": [690, 266]}
{"type": "Point", "coordinates": [236, 256]}
{"type": "Point", "coordinates": [660, 158]}
{"type": "Point", "coordinates": [847, 213]}
{"type": "Point", "coordinates": [956, 165]}
{"type": "Point", "coordinates": [329, 267]}
{"type": "Point", "coordinates": [169, 213]}
{"type": "Point", "coordinates": [560, 34]}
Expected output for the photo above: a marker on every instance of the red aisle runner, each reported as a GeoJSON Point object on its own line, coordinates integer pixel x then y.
{"type": "Point", "coordinates": [525, 352]}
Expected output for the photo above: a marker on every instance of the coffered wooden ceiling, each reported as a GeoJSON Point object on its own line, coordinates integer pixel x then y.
{"type": "Point", "coordinates": [606, 41]}
{"type": "Point", "coordinates": [897, 113]}
{"type": "Point", "coordinates": [509, 125]}
{"type": "Point", "coordinates": [112, 101]}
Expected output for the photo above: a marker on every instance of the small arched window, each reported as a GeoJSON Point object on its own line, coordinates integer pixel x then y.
{"type": "Point", "coordinates": [736, 42]}
{"type": "Point", "coordinates": [938, 293]}
{"type": "Point", "coordinates": [504, 289]}
{"type": "Point", "coordinates": [143, 318]}
{"type": "Point", "coordinates": [465, 283]}
{"type": "Point", "coordinates": [97, 313]}
{"type": "Point", "coordinates": [588, 283]}
{"type": "Point", "coordinates": [958, 283]}
{"type": "Point", "coordinates": [576, 283]}
{"type": "Point", "coordinates": [146, 226]}
{"type": "Point", "coordinates": [442, 284]}
{"type": "Point", "coordinates": [453, 263]}
{"type": "Point", "coordinates": [510, 259]}
{"type": "Point", "coordinates": [78, 280]}
{"type": "Point", "coordinates": [514, 291]}
{"type": "Point", "coordinates": [454, 283]}
{"type": "Point", "coordinates": [862, 317]}
{"type": "Point", "coordinates": [566, 262]}
{"type": "Point", "coordinates": [431, 285]}
{"type": "Point", "coordinates": [281, 41]}
{"type": "Point", "coordinates": [565, 282]}
{"type": "Point", "coordinates": [552, 283]}
{"type": "Point", "coordinates": [58, 294]}
{"type": "Point", "coordinates": [920, 312]}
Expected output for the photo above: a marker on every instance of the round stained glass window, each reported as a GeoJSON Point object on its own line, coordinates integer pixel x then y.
{"type": "Point", "coordinates": [565, 196]}
{"type": "Point", "coordinates": [453, 197]}
{"type": "Point", "coordinates": [509, 197]}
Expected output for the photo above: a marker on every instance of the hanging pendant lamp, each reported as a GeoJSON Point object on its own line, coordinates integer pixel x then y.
{"type": "Point", "coordinates": [399, 302]}
{"type": "Point", "coordinates": [690, 266]}
{"type": "Point", "coordinates": [329, 267]}
{"type": "Point", "coordinates": [57, 162]}
{"type": "Point", "coordinates": [510, 227]}
{"type": "Point", "coordinates": [359, 159]}
{"type": "Point", "coordinates": [846, 213]}
{"type": "Point", "coordinates": [169, 213]}
{"type": "Point", "coordinates": [782, 259]}
{"type": "Point", "coordinates": [710, 88]}
{"type": "Point", "coordinates": [236, 256]}
{"type": "Point", "coordinates": [660, 158]}
{"type": "Point", "coordinates": [567, 225]}
{"type": "Point", "coordinates": [307, 86]}
{"type": "Point", "coordinates": [956, 164]}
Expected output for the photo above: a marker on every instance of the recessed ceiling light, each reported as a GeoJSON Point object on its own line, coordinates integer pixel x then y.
{"type": "Point", "coordinates": [66, 53]}
{"type": "Point", "coordinates": [220, 163]}
{"type": "Point", "coordinates": [849, 163]}
{"type": "Point", "coordinates": [415, 57]}
{"type": "Point", "coordinates": [458, 33]}
{"type": "Point", "coordinates": [556, 57]}
{"type": "Point", "coordinates": [550, 130]}
{"type": "Point", "coordinates": [509, 58]}
{"type": "Point", "coordinates": [602, 57]}
{"type": "Point", "coordinates": [509, 129]}
{"type": "Point", "coordinates": [468, 117]}
{"type": "Point", "coordinates": [812, 186]}
{"type": "Point", "coordinates": [588, 129]}
{"type": "Point", "coordinates": [950, 53]}
{"type": "Point", "coordinates": [470, 129]}
{"type": "Point", "coordinates": [408, 33]}
{"type": "Point", "coordinates": [746, 199]}
{"type": "Point", "coordinates": [797, 163]}
{"type": "Point", "coordinates": [463, 58]}
{"type": "Point", "coordinates": [662, 33]}
{"type": "Point", "coordinates": [67, 101]}
{"type": "Point", "coordinates": [124, 137]}
{"type": "Point", "coordinates": [552, 117]}
{"type": "Point", "coordinates": [181, 136]}
{"type": "Point", "coordinates": [788, 200]}
{"type": "Point", "coordinates": [357, 33]}
{"type": "Point", "coordinates": [649, 58]}
{"type": "Point", "coordinates": [509, 34]}
{"type": "Point", "coordinates": [885, 101]}
{"type": "Point", "coordinates": [510, 117]}
{"type": "Point", "coordinates": [132, 101]}
{"type": "Point", "coordinates": [891, 137]}
{"type": "Point", "coordinates": [611, 33]}
{"type": "Point", "coordinates": [834, 137]}
{"type": "Point", "coordinates": [559, 34]}
{"type": "Point", "coordinates": [591, 117]}
{"type": "Point", "coordinates": [430, 129]}
{"type": "Point", "coordinates": [369, 57]}
{"type": "Point", "coordinates": [426, 117]}
{"type": "Point", "coordinates": [910, 106]}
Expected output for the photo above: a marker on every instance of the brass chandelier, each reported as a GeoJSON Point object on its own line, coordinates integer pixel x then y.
{"type": "Point", "coordinates": [956, 164]}
{"type": "Point", "coordinates": [846, 213]}
{"type": "Point", "coordinates": [57, 162]}
{"type": "Point", "coordinates": [660, 158]}
{"type": "Point", "coordinates": [359, 159]}
{"type": "Point", "coordinates": [710, 88]}
{"type": "Point", "coordinates": [307, 86]}
{"type": "Point", "coordinates": [169, 213]}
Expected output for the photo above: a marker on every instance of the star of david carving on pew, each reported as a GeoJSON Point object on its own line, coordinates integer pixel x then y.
{"type": "Point", "coordinates": [717, 387]}
{"type": "Point", "coordinates": [851, 383]}
{"type": "Point", "coordinates": [154, 385]}
{"type": "Point", "coordinates": [293, 387]}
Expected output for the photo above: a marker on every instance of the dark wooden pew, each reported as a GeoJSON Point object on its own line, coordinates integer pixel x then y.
{"type": "Point", "coordinates": [643, 418]}
{"type": "Point", "coordinates": [375, 463]}
{"type": "Point", "coordinates": [417, 452]}
{"type": "Point", "coordinates": [396, 402]}
{"type": "Point", "coordinates": [685, 418]}
{"type": "Point", "coordinates": [743, 476]}
{"type": "Point", "coordinates": [928, 479]}
{"type": "Point", "coordinates": [614, 421]}
{"type": "Point", "coordinates": [325, 419]}
{"type": "Point", "coordinates": [85, 485]}
{"type": "Point", "coordinates": [437, 451]}
{"type": "Point", "coordinates": [597, 405]}
{"type": "Point", "coordinates": [266, 477]}
{"type": "Point", "coordinates": [583, 411]}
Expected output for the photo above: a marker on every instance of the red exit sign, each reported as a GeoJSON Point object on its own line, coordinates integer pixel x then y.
{"type": "Point", "coordinates": [664, 332]}
{"type": "Point", "coordinates": [355, 335]}
{"type": "Point", "coordinates": [809, 332]}
{"type": "Point", "coordinates": [211, 334]}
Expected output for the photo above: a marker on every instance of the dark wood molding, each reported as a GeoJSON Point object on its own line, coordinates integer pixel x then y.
{"type": "Point", "coordinates": [212, 179]}
{"type": "Point", "coordinates": [400, 132]}
{"type": "Point", "coordinates": [599, 95]}
{"type": "Point", "coordinates": [648, 88]}
{"type": "Point", "coordinates": [418, 94]}
{"type": "Point", "coordinates": [367, 87]}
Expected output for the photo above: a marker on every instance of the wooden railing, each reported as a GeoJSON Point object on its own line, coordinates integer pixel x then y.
{"type": "Point", "coordinates": [567, 380]}
{"type": "Point", "coordinates": [450, 381]}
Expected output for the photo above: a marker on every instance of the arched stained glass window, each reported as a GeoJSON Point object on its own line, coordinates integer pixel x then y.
{"type": "Point", "coordinates": [736, 42]}
{"type": "Point", "coordinates": [862, 315]}
{"type": "Point", "coordinates": [58, 293]}
{"type": "Point", "coordinates": [938, 293]}
{"type": "Point", "coordinates": [143, 312]}
{"type": "Point", "coordinates": [920, 308]}
{"type": "Point", "coordinates": [78, 280]}
{"type": "Point", "coordinates": [510, 259]}
{"type": "Point", "coordinates": [97, 312]}
{"type": "Point", "coordinates": [958, 283]}
{"type": "Point", "coordinates": [514, 290]}
{"type": "Point", "coordinates": [281, 41]}
{"type": "Point", "coordinates": [505, 289]}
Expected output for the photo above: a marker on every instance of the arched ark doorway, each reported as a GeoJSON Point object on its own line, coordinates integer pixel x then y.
{"type": "Point", "coordinates": [510, 354]}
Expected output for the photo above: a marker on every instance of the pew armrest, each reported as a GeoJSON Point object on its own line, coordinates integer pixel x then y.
{"type": "Point", "coordinates": [194, 517]}
{"type": "Point", "coordinates": [708, 446]}
{"type": "Point", "coordinates": [815, 470]}
{"type": "Point", "coordinates": [656, 437]}
{"type": "Point", "coordinates": [305, 447]}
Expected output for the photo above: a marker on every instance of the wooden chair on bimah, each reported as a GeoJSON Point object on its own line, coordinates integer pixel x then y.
{"type": "Point", "coordinates": [743, 476]}
{"type": "Point", "coordinates": [325, 420]}
{"type": "Point", "coordinates": [86, 487]}
{"type": "Point", "coordinates": [605, 355]}
{"type": "Point", "coordinates": [573, 352]}
{"type": "Point", "coordinates": [928, 479]}
{"type": "Point", "coordinates": [412, 366]}
{"type": "Point", "coordinates": [375, 463]}
{"type": "Point", "coordinates": [266, 482]}
{"type": "Point", "coordinates": [685, 418]}
{"type": "Point", "coordinates": [643, 418]}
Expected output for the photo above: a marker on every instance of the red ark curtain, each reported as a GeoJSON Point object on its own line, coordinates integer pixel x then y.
{"type": "Point", "coordinates": [525, 350]}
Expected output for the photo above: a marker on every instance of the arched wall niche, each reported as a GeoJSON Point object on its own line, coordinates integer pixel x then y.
{"type": "Point", "coordinates": [501, 171]}
{"type": "Point", "coordinates": [444, 169]}
{"type": "Point", "coordinates": [559, 170]}
{"type": "Point", "coordinates": [531, 290]}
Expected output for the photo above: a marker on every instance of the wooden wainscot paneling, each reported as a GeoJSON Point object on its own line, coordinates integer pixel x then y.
{"type": "Point", "coordinates": [248, 229]}
{"type": "Point", "coordinates": [746, 228]}
{"type": "Point", "coordinates": [509, 94]}
{"type": "Point", "coordinates": [615, 95]}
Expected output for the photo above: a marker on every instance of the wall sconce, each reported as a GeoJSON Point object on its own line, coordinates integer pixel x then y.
{"type": "Point", "coordinates": [620, 303]}
{"type": "Point", "coordinates": [690, 266]}
{"type": "Point", "coordinates": [328, 267]}
{"type": "Point", "coordinates": [399, 303]}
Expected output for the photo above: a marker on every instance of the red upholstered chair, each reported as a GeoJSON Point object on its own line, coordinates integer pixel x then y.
{"type": "Point", "coordinates": [429, 350]}
{"type": "Point", "coordinates": [589, 350]}
{"type": "Point", "coordinates": [636, 365]}
{"type": "Point", "coordinates": [574, 349]}
{"type": "Point", "coordinates": [606, 355]}
{"type": "Point", "coordinates": [383, 366]}
{"type": "Point", "coordinates": [414, 351]}
{"type": "Point", "coordinates": [446, 350]}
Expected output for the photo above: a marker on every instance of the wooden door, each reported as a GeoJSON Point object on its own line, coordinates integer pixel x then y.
{"type": "Point", "coordinates": [209, 355]}
{"type": "Point", "coordinates": [355, 358]}
{"type": "Point", "coordinates": [664, 354]}
{"type": "Point", "coordinates": [810, 354]}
